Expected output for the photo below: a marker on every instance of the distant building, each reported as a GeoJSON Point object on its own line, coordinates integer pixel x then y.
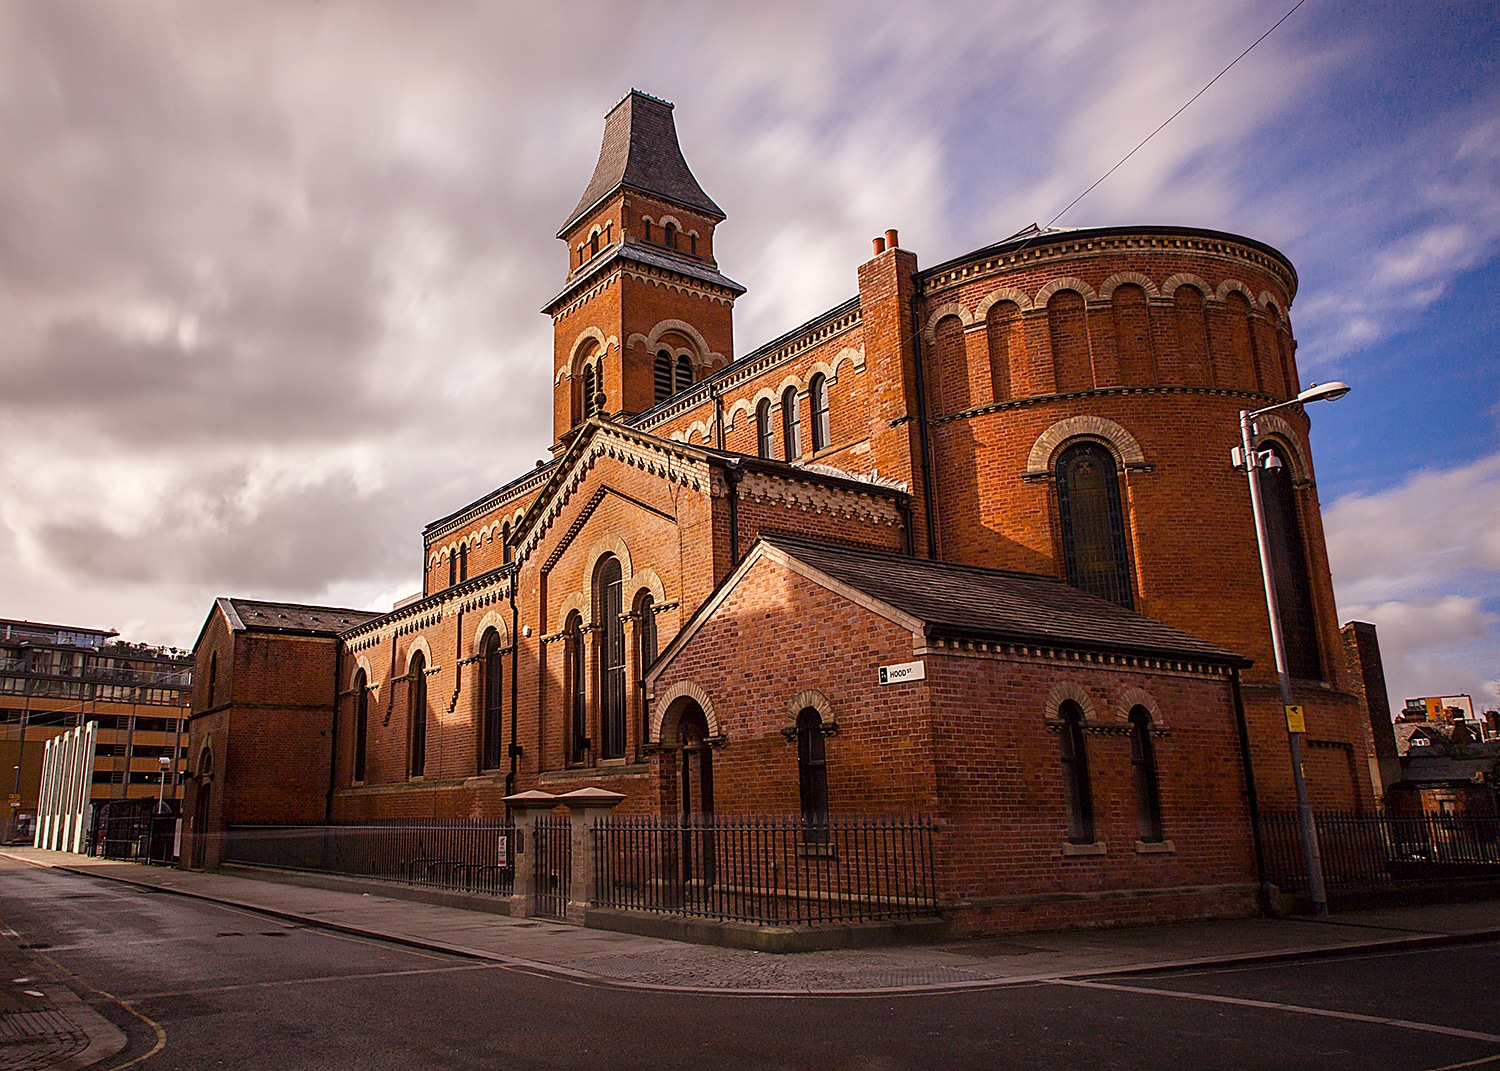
{"type": "Point", "coordinates": [56, 677]}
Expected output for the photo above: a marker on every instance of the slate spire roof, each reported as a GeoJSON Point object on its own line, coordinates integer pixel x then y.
{"type": "Point", "coordinates": [640, 151]}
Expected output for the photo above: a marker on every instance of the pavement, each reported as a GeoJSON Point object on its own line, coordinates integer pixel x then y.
{"type": "Point", "coordinates": [43, 1023]}
{"type": "Point", "coordinates": [629, 961]}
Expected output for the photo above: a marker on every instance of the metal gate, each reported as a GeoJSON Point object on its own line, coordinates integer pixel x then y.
{"type": "Point", "coordinates": [552, 855]}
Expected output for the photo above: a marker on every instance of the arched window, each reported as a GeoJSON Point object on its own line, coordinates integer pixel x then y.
{"type": "Point", "coordinates": [463, 561]}
{"type": "Point", "coordinates": [812, 776]}
{"type": "Point", "coordinates": [1289, 566]}
{"type": "Point", "coordinates": [646, 223]}
{"type": "Point", "coordinates": [684, 372]}
{"type": "Point", "coordinates": [578, 686]}
{"type": "Point", "coordinates": [492, 665]}
{"type": "Point", "coordinates": [416, 692]}
{"type": "Point", "coordinates": [765, 433]}
{"type": "Point", "coordinates": [213, 676]}
{"type": "Point", "coordinates": [817, 392]}
{"type": "Point", "coordinates": [661, 375]}
{"type": "Point", "coordinates": [611, 638]}
{"type": "Point", "coordinates": [1078, 795]}
{"type": "Point", "coordinates": [452, 567]}
{"type": "Point", "coordinates": [791, 425]}
{"type": "Point", "coordinates": [669, 235]}
{"type": "Point", "coordinates": [505, 542]}
{"type": "Point", "coordinates": [1072, 365]}
{"type": "Point", "coordinates": [1143, 763]}
{"type": "Point", "coordinates": [1093, 523]}
{"type": "Point", "coordinates": [594, 244]}
{"type": "Point", "coordinates": [361, 723]}
{"type": "Point", "coordinates": [645, 613]}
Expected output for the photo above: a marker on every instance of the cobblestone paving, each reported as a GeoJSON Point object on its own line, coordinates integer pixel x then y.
{"type": "Point", "coordinates": [33, 1041]}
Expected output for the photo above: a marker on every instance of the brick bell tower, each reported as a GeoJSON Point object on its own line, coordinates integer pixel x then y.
{"type": "Point", "coordinates": [644, 313]}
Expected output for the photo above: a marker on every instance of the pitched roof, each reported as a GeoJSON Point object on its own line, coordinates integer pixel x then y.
{"type": "Point", "coordinates": [254, 615]}
{"type": "Point", "coordinates": [965, 601]}
{"type": "Point", "coordinates": [640, 150]}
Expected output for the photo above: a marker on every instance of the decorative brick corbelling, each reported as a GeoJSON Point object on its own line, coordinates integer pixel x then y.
{"type": "Point", "coordinates": [759, 487]}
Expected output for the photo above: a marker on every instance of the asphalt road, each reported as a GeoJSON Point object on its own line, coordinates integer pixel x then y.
{"type": "Point", "coordinates": [213, 987]}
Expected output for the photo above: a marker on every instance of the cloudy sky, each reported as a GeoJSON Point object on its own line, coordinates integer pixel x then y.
{"type": "Point", "coordinates": [269, 273]}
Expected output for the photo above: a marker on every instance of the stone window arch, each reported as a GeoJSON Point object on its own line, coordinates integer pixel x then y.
{"type": "Point", "coordinates": [1044, 451]}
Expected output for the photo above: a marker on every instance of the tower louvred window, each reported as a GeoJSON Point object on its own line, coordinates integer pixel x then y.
{"type": "Point", "coordinates": [661, 372]}
{"type": "Point", "coordinates": [684, 372]}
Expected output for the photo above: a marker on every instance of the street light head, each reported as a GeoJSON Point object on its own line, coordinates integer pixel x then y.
{"type": "Point", "coordinates": [1324, 392]}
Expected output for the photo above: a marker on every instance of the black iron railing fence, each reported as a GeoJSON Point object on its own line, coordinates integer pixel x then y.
{"type": "Point", "coordinates": [467, 855]}
{"type": "Point", "coordinates": [138, 830]}
{"type": "Point", "coordinates": [1377, 850]}
{"type": "Point", "coordinates": [767, 870]}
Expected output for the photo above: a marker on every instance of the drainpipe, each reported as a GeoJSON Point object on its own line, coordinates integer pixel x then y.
{"type": "Point", "coordinates": [515, 663]}
{"type": "Point", "coordinates": [927, 495]}
{"type": "Point", "coordinates": [1251, 799]}
{"type": "Point", "coordinates": [733, 474]}
{"type": "Point", "coordinates": [903, 505]}
{"type": "Point", "coordinates": [718, 416]}
{"type": "Point", "coordinates": [333, 733]}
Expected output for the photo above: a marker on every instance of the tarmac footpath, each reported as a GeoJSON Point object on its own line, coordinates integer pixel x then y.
{"type": "Point", "coordinates": [605, 957]}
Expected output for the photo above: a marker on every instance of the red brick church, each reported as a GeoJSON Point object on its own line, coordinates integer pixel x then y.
{"type": "Point", "coordinates": [967, 545]}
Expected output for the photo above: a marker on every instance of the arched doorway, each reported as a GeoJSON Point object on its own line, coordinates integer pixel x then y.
{"type": "Point", "coordinates": [695, 769]}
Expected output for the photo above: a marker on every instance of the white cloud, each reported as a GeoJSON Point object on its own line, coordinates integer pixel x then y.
{"type": "Point", "coordinates": [1422, 561]}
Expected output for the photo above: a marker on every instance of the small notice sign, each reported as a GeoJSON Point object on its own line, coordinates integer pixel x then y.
{"type": "Point", "coordinates": [903, 672]}
{"type": "Point", "coordinates": [1295, 723]}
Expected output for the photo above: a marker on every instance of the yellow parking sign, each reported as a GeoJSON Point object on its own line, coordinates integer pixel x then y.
{"type": "Point", "coordinates": [1295, 723]}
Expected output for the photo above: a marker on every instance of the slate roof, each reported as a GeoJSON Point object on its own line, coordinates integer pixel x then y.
{"type": "Point", "coordinates": [998, 604]}
{"type": "Point", "coordinates": [255, 615]}
{"type": "Point", "coordinates": [640, 150]}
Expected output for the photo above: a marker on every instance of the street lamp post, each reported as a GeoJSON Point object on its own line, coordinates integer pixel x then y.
{"type": "Point", "coordinates": [161, 793]}
{"type": "Point", "coordinates": [1252, 463]}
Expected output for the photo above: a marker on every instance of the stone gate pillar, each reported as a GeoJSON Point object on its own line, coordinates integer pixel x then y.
{"type": "Point", "coordinates": [524, 807]}
{"type": "Point", "coordinates": [587, 806]}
